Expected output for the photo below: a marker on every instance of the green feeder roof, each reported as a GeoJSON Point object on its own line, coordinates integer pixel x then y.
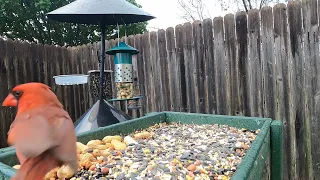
{"type": "Point", "coordinates": [122, 48]}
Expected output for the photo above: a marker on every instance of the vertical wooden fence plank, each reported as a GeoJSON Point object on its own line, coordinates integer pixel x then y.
{"type": "Point", "coordinates": [130, 42]}
{"type": "Point", "coordinates": [296, 69]}
{"type": "Point", "coordinates": [173, 72]}
{"type": "Point", "coordinates": [254, 65]}
{"type": "Point", "coordinates": [189, 67]}
{"type": "Point", "coordinates": [140, 72]}
{"type": "Point", "coordinates": [281, 57]}
{"type": "Point", "coordinates": [84, 61]}
{"type": "Point", "coordinates": [5, 112]}
{"type": "Point", "coordinates": [268, 63]}
{"type": "Point", "coordinates": [10, 60]}
{"type": "Point", "coordinates": [35, 61]}
{"type": "Point", "coordinates": [180, 59]}
{"type": "Point", "coordinates": [147, 72]}
{"type": "Point", "coordinates": [199, 67]}
{"type": "Point", "coordinates": [78, 63]}
{"type": "Point", "coordinates": [70, 89]}
{"type": "Point", "coordinates": [52, 67]}
{"type": "Point", "coordinates": [312, 84]}
{"type": "Point", "coordinates": [75, 93]}
{"type": "Point", "coordinates": [10, 64]}
{"type": "Point", "coordinates": [231, 56]}
{"type": "Point", "coordinates": [23, 56]}
{"type": "Point", "coordinates": [220, 62]}
{"type": "Point", "coordinates": [210, 68]}
{"type": "Point", "coordinates": [112, 43]}
{"type": "Point", "coordinates": [40, 62]}
{"type": "Point", "coordinates": [45, 63]}
{"type": "Point", "coordinates": [157, 95]}
{"type": "Point", "coordinates": [311, 57]}
{"type": "Point", "coordinates": [242, 54]}
{"type": "Point", "coordinates": [17, 63]}
{"type": "Point", "coordinates": [65, 89]}
{"type": "Point", "coordinates": [163, 62]}
{"type": "Point", "coordinates": [49, 67]}
{"type": "Point", "coordinates": [59, 71]}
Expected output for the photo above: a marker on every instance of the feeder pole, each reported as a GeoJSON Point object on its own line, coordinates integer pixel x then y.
{"type": "Point", "coordinates": [103, 37]}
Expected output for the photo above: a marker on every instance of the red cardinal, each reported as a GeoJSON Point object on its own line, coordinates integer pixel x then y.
{"type": "Point", "coordinates": [42, 131]}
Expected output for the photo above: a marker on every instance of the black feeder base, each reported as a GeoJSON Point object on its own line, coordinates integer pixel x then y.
{"type": "Point", "coordinates": [100, 114]}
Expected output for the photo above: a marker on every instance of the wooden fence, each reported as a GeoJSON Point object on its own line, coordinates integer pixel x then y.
{"type": "Point", "coordinates": [265, 63]}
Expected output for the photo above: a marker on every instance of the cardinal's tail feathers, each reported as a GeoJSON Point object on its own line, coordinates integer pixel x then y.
{"type": "Point", "coordinates": [36, 168]}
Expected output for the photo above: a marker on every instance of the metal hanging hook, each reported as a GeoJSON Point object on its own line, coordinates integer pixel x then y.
{"type": "Point", "coordinates": [118, 34]}
{"type": "Point", "coordinates": [125, 31]}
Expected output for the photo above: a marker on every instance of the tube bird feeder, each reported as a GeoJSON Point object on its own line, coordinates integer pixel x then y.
{"type": "Point", "coordinates": [123, 70]}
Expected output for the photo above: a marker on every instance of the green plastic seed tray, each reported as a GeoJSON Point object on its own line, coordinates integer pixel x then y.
{"type": "Point", "coordinates": [262, 161]}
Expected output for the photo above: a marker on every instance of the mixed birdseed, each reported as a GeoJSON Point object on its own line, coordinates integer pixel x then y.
{"type": "Point", "coordinates": [167, 151]}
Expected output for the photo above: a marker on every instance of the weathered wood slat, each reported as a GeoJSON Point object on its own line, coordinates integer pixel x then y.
{"type": "Point", "coordinates": [281, 48]}
{"type": "Point", "coordinates": [199, 67]}
{"type": "Point", "coordinates": [109, 64]}
{"type": "Point", "coordinates": [254, 65]}
{"type": "Point", "coordinates": [71, 97]}
{"type": "Point", "coordinates": [86, 61]}
{"type": "Point", "coordinates": [232, 61]}
{"type": "Point", "coordinates": [173, 72]}
{"type": "Point", "coordinates": [188, 51]}
{"type": "Point", "coordinates": [312, 84]}
{"type": "Point", "coordinates": [140, 72]}
{"type": "Point", "coordinates": [311, 57]}
{"type": "Point", "coordinates": [296, 97]}
{"type": "Point", "coordinates": [268, 63]}
{"type": "Point", "coordinates": [229, 66]}
{"type": "Point", "coordinates": [180, 58]}
{"type": "Point", "coordinates": [157, 95]}
{"type": "Point", "coordinates": [147, 72]}
{"type": "Point", "coordinates": [17, 63]}
{"type": "Point", "coordinates": [80, 88]}
{"type": "Point", "coordinates": [33, 62]}
{"type": "Point", "coordinates": [64, 66]}
{"type": "Point", "coordinates": [23, 52]}
{"type": "Point", "coordinates": [45, 63]}
{"type": "Point", "coordinates": [11, 68]}
{"type": "Point", "coordinates": [210, 85]}
{"type": "Point", "coordinates": [220, 61]}
{"type": "Point", "coordinates": [136, 88]}
{"type": "Point", "coordinates": [242, 54]}
{"type": "Point", "coordinates": [58, 71]}
{"type": "Point", "coordinates": [40, 62]}
{"type": "Point", "coordinates": [163, 69]}
{"type": "Point", "coordinates": [74, 91]}
{"type": "Point", "coordinates": [4, 91]}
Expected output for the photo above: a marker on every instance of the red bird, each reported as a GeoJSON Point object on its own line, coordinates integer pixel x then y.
{"type": "Point", "coordinates": [42, 131]}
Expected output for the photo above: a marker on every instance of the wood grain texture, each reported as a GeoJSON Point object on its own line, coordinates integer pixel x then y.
{"type": "Point", "coordinates": [268, 63]}
{"type": "Point", "coordinates": [242, 54]}
{"type": "Point", "coordinates": [254, 64]}
{"type": "Point", "coordinates": [220, 61]}
{"type": "Point", "coordinates": [261, 63]}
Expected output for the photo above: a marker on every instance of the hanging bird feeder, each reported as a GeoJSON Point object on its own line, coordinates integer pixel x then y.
{"type": "Point", "coordinates": [123, 69]}
{"type": "Point", "coordinates": [102, 13]}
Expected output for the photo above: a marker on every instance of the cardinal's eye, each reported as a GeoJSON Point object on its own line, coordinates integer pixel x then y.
{"type": "Point", "coordinates": [17, 94]}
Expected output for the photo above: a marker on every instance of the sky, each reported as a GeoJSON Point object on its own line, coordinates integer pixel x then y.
{"type": "Point", "coordinates": [167, 13]}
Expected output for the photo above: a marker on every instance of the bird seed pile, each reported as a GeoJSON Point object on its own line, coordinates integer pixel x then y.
{"type": "Point", "coordinates": [163, 151]}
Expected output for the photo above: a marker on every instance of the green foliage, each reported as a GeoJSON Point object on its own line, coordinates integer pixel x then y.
{"type": "Point", "coordinates": [26, 20]}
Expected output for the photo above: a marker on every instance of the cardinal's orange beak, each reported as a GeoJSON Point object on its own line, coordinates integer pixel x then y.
{"type": "Point", "coordinates": [10, 101]}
